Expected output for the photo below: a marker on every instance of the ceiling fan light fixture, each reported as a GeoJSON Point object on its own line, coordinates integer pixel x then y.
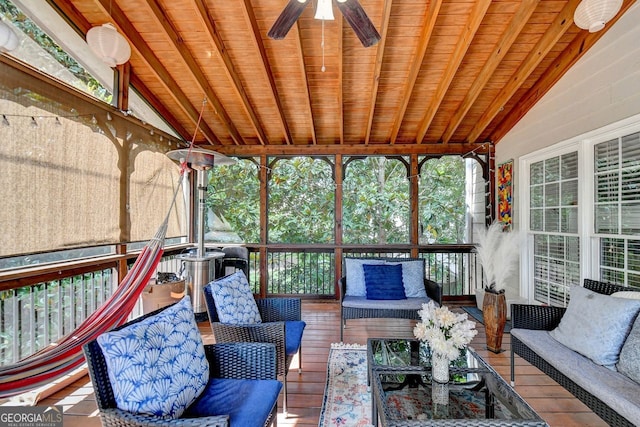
{"type": "Point", "coordinates": [324, 10]}
{"type": "Point", "coordinates": [592, 15]}
{"type": "Point", "coordinates": [110, 46]}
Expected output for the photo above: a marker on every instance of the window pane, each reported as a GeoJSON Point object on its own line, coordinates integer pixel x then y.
{"type": "Point", "coordinates": [536, 220]}
{"type": "Point", "coordinates": [569, 193]}
{"type": "Point", "coordinates": [569, 166]}
{"type": "Point", "coordinates": [540, 242]}
{"type": "Point", "coordinates": [633, 255]}
{"type": "Point", "coordinates": [612, 253]}
{"type": "Point", "coordinates": [630, 185]}
{"type": "Point", "coordinates": [556, 247]}
{"type": "Point", "coordinates": [552, 195]}
{"type": "Point", "coordinates": [607, 187]}
{"type": "Point", "coordinates": [606, 156]}
{"type": "Point", "coordinates": [630, 218]}
{"type": "Point", "coordinates": [631, 150]}
{"type": "Point", "coordinates": [552, 220]}
{"type": "Point", "coordinates": [552, 169]}
{"type": "Point", "coordinates": [537, 196]}
{"type": "Point", "coordinates": [569, 218]}
{"type": "Point", "coordinates": [573, 249]}
{"type": "Point", "coordinates": [536, 172]}
{"type": "Point", "coordinates": [606, 219]}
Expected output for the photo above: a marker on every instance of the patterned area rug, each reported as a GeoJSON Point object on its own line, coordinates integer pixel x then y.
{"type": "Point", "coordinates": [347, 400]}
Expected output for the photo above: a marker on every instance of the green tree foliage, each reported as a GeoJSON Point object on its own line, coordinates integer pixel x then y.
{"type": "Point", "coordinates": [234, 196]}
{"type": "Point", "coordinates": [301, 201]}
{"type": "Point", "coordinates": [375, 206]}
{"type": "Point", "coordinates": [442, 206]}
{"type": "Point", "coordinates": [29, 28]}
{"type": "Point", "coordinates": [376, 201]}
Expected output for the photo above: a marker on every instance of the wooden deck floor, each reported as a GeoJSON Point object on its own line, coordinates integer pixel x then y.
{"type": "Point", "coordinates": [557, 406]}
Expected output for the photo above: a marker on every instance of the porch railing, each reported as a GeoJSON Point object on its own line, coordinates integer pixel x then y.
{"type": "Point", "coordinates": [35, 315]}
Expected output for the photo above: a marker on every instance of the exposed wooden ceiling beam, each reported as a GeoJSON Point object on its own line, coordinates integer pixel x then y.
{"type": "Point", "coordinates": [386, 13]}
{"type": "Point", "coordinates": [340, 80]}
{"type": "Point", "coordinates": [427, 30]}
{"type": "Point", "coordinates": [70, 13]}
{"type": "Point", "coordinates": [573, 52]}
{"type": "Point", "coordinates": [475, 19]}
{"type": "Point", "coordinates": [560, 25]}
{"type": "Point", "coordinates": [307, 89]}
{"type": "Point", "coordinates": [509, 36]}
{"type": "Point", "coordinates": [251, 21]}
{"type": "Point", "coordinates": [352, 150]}
{"type": "Point", "coordinates": [145, 53]}
{"type": "Point", "coordinates": [229, 68]}
{"type": "Point", "coordinates": [195, 68]}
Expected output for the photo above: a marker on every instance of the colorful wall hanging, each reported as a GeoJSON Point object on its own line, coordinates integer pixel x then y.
{"type": "Point", "coordinates": [505, 193]}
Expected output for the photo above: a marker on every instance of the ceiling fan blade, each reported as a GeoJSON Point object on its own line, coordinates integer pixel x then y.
{"type": "Point", "coordinates": [357, 18]}
{"type": "Point", "coordinates": [287, 18]}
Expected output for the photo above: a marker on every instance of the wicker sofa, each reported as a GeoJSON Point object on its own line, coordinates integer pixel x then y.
{"type": "Point", "coordinates": [609, 393]}
{"type": "Point", "coordinates": [359, 307]}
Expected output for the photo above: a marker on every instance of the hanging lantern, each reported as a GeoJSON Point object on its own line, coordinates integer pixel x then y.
{"type": "Point", "coordinates": [592, 15]}
{"type": "Point", "coordinates": [8, 38]}
{"type": "Point", "coordinates": [110, 46]}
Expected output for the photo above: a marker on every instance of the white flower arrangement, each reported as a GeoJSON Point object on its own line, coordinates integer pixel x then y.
{"type": "Point", "coordinates": [446, 332]}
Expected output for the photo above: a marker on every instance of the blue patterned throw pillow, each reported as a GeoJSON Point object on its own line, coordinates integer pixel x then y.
{"type": "Point", "coordinates": [157, 366]}
{"type": "Point", "coordinates": [412, 277]}
{"type": "Point", "coordinates": [384, 282]}
{"type": "Point", "coordinates": [234, 300]}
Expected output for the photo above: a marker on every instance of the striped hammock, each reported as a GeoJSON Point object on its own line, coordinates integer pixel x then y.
{"type": "Point", "coordinates": [60, 358]}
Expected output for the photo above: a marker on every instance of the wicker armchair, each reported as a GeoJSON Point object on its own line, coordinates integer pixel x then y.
{"type": "Point", "coordinates": [281, 325]}
{"type": "Point", "coordinates": [227, 363]}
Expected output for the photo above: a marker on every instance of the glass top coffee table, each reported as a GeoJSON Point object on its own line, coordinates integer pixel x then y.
{"type": "Point", "coordinates": [405, 395]}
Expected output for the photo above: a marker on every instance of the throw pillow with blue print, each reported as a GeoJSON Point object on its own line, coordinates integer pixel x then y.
{"type": "Point", "coordinates": [234, 300]}
{"type": "Point", "coordinates": [158, 365]}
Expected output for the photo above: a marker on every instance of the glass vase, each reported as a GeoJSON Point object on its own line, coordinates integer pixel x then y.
{"type": "Point", "coordinates": [440, 368]}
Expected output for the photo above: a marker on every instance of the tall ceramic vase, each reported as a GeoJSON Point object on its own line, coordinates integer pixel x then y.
{"type": "Point", "coordinates": [494, 312]}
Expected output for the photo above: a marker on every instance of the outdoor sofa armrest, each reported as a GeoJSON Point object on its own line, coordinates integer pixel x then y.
{"type": "Point", "coordinates": [279, 309]}
{"type": "Point", "coordinates": [250, 361]}
{"type": "Point", "coordinates": [537, 317]}
{"type": "Point", "coordinates": [271, 332]}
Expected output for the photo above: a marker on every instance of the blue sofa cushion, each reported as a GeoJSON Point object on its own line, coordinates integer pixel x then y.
{"type": "Point", "coordinates": [384, 282]}
{"type": "Point", "coordinates": [158, 365]}
{"type": "Point", "coordinates": [234, 300]}
{"type": "Point", "coordinates": [596, 325]}
{"type": "Point", "coordinates": [293, 335]}
{"type": "Point", "coordinates": [247, 402]}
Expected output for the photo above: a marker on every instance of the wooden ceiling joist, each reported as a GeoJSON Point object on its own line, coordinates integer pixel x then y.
{"type": "Point", "coordinates": [445, 74]}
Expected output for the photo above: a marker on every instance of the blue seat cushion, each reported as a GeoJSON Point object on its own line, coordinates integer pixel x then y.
{"type": "Point", "coordinates": [293, 335]}
{"type": "Point", "coordinates": [247, 402]}
{"type": "Point", "coordinates": [384, 282]}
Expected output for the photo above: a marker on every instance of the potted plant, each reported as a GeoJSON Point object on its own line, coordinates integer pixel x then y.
{"type": "Point", "coordinates": [497, 251]}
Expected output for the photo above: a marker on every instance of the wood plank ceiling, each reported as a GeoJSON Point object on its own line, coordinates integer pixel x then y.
{"type": "Point", "coordinates": [446, 76]}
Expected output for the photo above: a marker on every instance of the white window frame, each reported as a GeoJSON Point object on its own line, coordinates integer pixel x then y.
{"type": "Point", "coordinates": [589, 240]}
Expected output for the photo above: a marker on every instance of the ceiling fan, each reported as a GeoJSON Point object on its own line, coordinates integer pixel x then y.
{"type": "Point", "coordinates": [351, 10]}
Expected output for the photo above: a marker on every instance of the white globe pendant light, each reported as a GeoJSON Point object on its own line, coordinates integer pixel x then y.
{"type": "Point", "coordinates": [592, 15]}
{"type": "Point", "coordinates": [8, 38]}
{"type": "Point", "coordinates": [110, 46]}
